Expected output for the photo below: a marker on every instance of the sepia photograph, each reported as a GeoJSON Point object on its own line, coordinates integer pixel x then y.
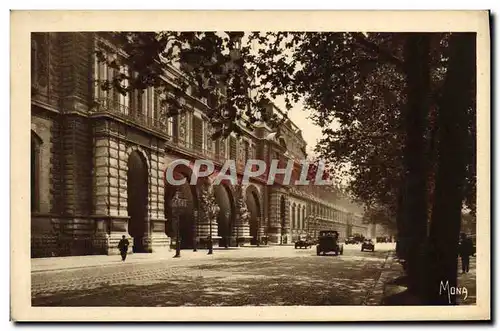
{"type": "Point", "coordinates": [300, 168]}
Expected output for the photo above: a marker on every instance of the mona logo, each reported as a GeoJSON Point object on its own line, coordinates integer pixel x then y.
{"type": "Point", "coordinates": [445, 288]}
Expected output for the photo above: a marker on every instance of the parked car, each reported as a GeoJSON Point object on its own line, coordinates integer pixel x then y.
{"type": "Point", "coordinates": [328, 241]}
{"type": "Point", "coordinates": [350, 240]}
{"type": "Point", "coordinates": [303, 243]}
{"type": "Point", "coordinates": [368, 245]}
{"type": "Point", "coordinates": [359, 238]}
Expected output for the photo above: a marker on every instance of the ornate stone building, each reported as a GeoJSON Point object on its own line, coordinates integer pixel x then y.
{"type": "Point", "coordinates": [98, 160]}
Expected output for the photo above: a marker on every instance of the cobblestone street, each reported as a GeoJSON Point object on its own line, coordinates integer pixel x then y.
{"type": "Point", "coordinates": [279, 275]}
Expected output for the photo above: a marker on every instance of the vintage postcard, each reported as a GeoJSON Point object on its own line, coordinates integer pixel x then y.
{"type": "Point", "coordinates": [250, 165]}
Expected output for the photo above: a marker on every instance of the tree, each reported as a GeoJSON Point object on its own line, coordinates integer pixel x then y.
{"type": "Point", "coordinates": [453, 121]}
{"type": "Point", "coordinates": [380, 215]}
{"type": "Point", "coordinates": [414, 206]}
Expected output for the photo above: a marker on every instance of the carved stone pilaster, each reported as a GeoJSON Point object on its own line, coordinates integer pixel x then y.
{"type": "Point", "coordinates": [241, 229]}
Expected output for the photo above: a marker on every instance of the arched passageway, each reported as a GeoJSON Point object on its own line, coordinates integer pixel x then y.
{"type": "Point", "coordinates": [137, 200]}
{"type": "Point", "coordinates": [225, 218]}
{"type": "Point", "coordinates": [187, 221]}
{"type": "Point", "coordinates": [253, 205]}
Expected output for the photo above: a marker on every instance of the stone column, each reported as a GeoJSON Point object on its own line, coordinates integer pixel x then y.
{"type": "Point", "coordinates": [274, 230]}
{"type": "Point", "coordinates": [285, 230]}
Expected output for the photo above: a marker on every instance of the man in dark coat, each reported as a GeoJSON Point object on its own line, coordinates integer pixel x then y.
{"type": "Point", "coordinates": [123, 247]}
{"type": "Point", "coordinates": [465, 250]}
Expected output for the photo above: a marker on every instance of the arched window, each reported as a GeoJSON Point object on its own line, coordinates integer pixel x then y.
{"type": "Point", "coordinates": [303, 217]}
{"type": "Point", "coordinates": [36, 142]}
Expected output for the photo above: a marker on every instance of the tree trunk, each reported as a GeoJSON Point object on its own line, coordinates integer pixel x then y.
{"type": "Point", "coordinates": [416, 64]}
{"type": "Point", "coordinates": [451, 168]}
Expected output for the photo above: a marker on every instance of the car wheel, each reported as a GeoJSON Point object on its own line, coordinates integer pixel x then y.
{"type": "Point", "coordinates": [362, 249]}
{"type": "Point", "coordinates": [318, 252]}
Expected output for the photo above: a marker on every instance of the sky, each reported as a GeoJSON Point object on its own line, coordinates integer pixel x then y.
{"type": "Point", "coordinates": [310, 132]}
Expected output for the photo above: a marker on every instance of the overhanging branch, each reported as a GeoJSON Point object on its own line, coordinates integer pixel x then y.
{"type": "Point", "coordinates": [378, 51]}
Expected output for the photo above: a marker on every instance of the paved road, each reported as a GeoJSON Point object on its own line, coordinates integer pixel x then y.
{"type": "Point", "coordinates": [245, 276]}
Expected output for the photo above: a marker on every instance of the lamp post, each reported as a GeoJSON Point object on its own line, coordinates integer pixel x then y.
{"type": "Point", "coordinates": [177, 204]}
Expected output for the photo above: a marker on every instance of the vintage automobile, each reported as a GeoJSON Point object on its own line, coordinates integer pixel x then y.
{"type": "Point", "coordinates": [350, 240]}
{"type": "Point", "coordinates": [358, 238]}
{"type": "Point", "coordinates": [328, 241]}
{"type": "Point", "coordinates": [303, 243]}
{"type": "Point", "coordinates": [368, 245]}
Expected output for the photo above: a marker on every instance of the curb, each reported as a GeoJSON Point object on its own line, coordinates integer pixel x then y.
{"type": "Point", "coordinates": [376, 294]}
{"type": "Point", "coordinates": [142, 260]}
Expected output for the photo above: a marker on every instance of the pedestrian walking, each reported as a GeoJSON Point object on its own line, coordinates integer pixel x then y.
{"type": "Point", "coordinates": [465, 250]}
{"type": "Point", "coordinates": [123, 247]}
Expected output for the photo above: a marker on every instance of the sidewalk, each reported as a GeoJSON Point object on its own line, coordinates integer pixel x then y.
{"type": "Point", "coordinates": [85, 261]}
{"type": "Point", "coordinates": [390, 270]}
{"type": "Point", "coordinates": [390, 288]}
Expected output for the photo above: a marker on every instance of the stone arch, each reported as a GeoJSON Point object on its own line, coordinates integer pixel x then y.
{"type": "Point", "coordinates": [293, 211]}
{"type": "Point", "coordinates": [226, 219]}
{"type": "Point", "coordinates": [140, 150]}
{"type": "Point", "coordinates": [298, 215]}
{"type": "Point", "coordinates": [138, 200]}
{"type": "Point", "coordinates": [254, 205]}
{"type": "Point", "coordinates": [283, 218]}
{"type": "Point", "coordinates": [188, 216]}
{"type": "Point", "coordinates": [36, 143]}
{"type": "Point", "coordinates": [303, 216]}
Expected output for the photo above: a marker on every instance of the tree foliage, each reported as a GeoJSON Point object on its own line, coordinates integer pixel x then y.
{"type": "Point", "coordinates": [352, 84]}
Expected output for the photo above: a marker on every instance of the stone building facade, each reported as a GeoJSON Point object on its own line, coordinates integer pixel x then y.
{"type": "Point", "coordinates": [98, 160]}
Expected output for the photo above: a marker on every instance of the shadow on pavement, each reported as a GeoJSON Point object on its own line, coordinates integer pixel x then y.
{"type": "Point", "coordinates": [243, 282]}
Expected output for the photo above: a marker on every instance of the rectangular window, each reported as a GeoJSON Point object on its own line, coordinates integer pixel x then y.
{"type": "Point", "coordinates": [96, 78]}
{"type": "Point", "coordinates": [217, 143]}
{"type": "Point", "coordinates": [174, 129]}
{"type": "Point", "coordinates": [197, 133]}
{"type": "Point", "coordinates": [189, 129]}
{"type": "Point", "coordinates": [170, 125]}
{"type": "Point", "coordinates": [124, 99]}
{"type": "Point", "coordinates": [115, 95]}
{"type": "Point", "coordinates": [206, 134]}
{"type": "Point", "coordinates": [103, 75]}
{"type": "Point", "coordinates": [149, 104]}
{"type": "Point", "coordinates": [157, 105]}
